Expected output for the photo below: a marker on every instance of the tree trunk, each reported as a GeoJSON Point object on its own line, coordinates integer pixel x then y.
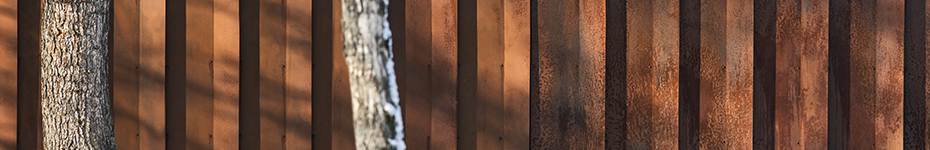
{"type": "Point", "coordinates": [75, 100]}
{"type": "Point", "coordinates": [375, 101]}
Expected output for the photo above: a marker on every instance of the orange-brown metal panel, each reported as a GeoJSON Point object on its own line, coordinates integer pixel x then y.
{"type": "Point", "coordinates": [590, 94]}
{"type": "Point", "coordinates": [788, 80]}
{"type": "Point", "coordinates": [125, 75]}
{"type": "Point", "coordinates": [416, 109]}
{"type": "Point", "coordinates": [8, 75]}
{"type": "Point", "coordinates": [640, 75]}
{"type": "Point", "coordinates": [297, 72]}
{"type": "Point", "coordinates": [889, 71]}
{"type": "Point", "coordinates": [199, 75]}
{"type": "Point", "coordinates": [272, 56]}
{"type": "Point", "coordinates": [862, 74]}
{"type": "Point", "coordinates": [443, 74]}
{"type": "Point", "coordinates": [739, 73]}
{"type": "Point", "coordinates": [152, 75]}
{"type": "Point", "coordinates": [567, 110]}
{"type": "Point", "coordinates": [226, 74]}
{"type": "Point", "coordinates": [490, 64]}
{"type": "Point", "coordinates": [665, 38]}
{"type": "Point", "coordinates": [814, 74]}
{"type": "Point", "coordinates": [343, 124]}
{"type": "Point", "coordinates": [713, 120]}
{"type": "Point", "coordinates": [516, 74]}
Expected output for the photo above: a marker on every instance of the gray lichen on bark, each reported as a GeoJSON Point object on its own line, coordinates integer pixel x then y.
{"type": "Point", "coordinates": [75, 100]}
{"type": "Point", "coordinates": [375, 102]}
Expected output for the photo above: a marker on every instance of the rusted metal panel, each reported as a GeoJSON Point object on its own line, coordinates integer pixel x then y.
{"type": "Point", "coordinates": [764, 80]}
{"type": "Point", "coordinates": [443, 73]}
{"type": "Point", "coordinates": [28, 134]}
{"type": "Point", "coordinates": [713, 106]}
{"type": "Point", "coordinates": [862, 74]}
{"type": "Point", "coordinates": [199, 74]}
{"type": "Point", "coordinates": [152, 75]}
{"type": "Point", "coordinates": [689, 104]}
{"type": "Point", "coordinates": [271, 90]}
{"type": "Point", "coordinates": [653, 75]}
{"type": "Point", "coordinates": [788, 96]}
{"type": "Point", "coordinates": [516, 74]}
{"type": "Point", "coordinates": [641, 77]}
{"type": "Point", "coordinates": [565, 112]}
{"type": "Point", "coordinates": [814, 74]}
{"type": "Point", "coordinates": [739, 74]}
{"type": "Point", "coordinates": [889, 71]}
{"type": "Point", "coordinates": [343, 126]}
{"type": "Point", "coordinates": [490, 63]}
{"type": "Point", "coordinates": [125, 75]}
{"type": "Point", "coordinates": [615, 109]}
{"type": "Point", "coordinates": [299, 121]}
{"type": "Point", "coordinates": [839, 76]}
{"type": "Point", "coordinates": [915, 74]}
{"type": "Point", "coordinates": [8, 75]}
{"type": "Point", "coordinates": [226, 74]}
{"type": "Point", "coordinates": [416, 109]}
{"type": "Point", "coordinates": [665, 39]}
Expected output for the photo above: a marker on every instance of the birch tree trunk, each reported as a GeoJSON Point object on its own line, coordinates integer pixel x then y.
{"type": "Point", "coordinates": [375, 101]}
{"type": "Point", "coordinates": [75, 100]}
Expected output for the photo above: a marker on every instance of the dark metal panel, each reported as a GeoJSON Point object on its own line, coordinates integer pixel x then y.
{"type": "Point", "coordinates": [915, 74]}
{"type": "Point", "coordinates": [29, 133]}
{"type": "Point", "coordinates": [615, 74]}
{"type": "Point", "coordinates": [839, 76]}
{"type": "Point", "coordinates": [764, 19]}
{"type": "Point", "coordinates": [689, 100]}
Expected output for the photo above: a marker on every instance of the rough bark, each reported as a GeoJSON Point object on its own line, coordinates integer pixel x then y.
{"type": "Point", "coordinates": [75, 99]}
{"type": "Point", "coordinates": [375, 101]}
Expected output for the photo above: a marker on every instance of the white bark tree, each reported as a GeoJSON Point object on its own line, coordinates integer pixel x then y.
{"type": "Point", "coordinates": [75, 101]}
{"type": "Point", "coordinates": [375, 101]}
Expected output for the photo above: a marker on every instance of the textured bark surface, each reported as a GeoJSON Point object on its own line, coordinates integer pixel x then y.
{"type": "Point", "coordinates": [75, 106]}
{"type": "Point", "coordinates": [375, 101]}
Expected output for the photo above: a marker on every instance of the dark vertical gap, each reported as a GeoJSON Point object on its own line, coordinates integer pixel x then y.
{"type": "Point", "coordinates": [689, 74]}
{"type": "Point", "coordinates": [396, 19]}
{"type": "Point", "coordinates": [615, 73]}
{"type": "Point", "coordinates": [467, 121]}
{"type": "Point", "coordinates": [175, 62]}
{"type": "Point", "coordinates": [764, 74]}
{"type": "Point", "coordinates": [249, 115]}
{"type": "Point", "coordinates": [535, 139]}
{"type": "Point", "coordinates": [110, 59]}
{"type": "Point", "coordinates": [915, 37]}
{"type": "Point", "coordinates": [838, 95]}
{"type": "Point", "coordinates": [29, 131]}
{"type": "Point", "coordinates": [322, 52]}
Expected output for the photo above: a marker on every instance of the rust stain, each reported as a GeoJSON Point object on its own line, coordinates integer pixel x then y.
{"type": "Point", "coordinates": [889, 19]}
{"type": "Point", "coordinates": [862, 75]}
{"type": "Point", "coordinates": [814, 74]}
{"type": "Point", "coordinates": [788, 79]}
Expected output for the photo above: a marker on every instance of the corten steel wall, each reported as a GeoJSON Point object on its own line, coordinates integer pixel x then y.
{"type": "Point", "coordinates": [505, 74]}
